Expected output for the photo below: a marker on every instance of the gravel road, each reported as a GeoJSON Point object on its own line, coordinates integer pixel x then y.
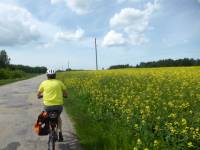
{"type": "Point", "coordinates": [19, 109]}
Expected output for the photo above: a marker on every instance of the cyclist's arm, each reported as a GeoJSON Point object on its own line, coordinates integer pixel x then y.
{"type": "Point", "coordinates": [64, 90]}
{"type": "Point", "coordinates": [65, 94]}
{"type": "Point", "coordinates": [39, 94]}
{"type": "Point", "coordinates": [40, 91]}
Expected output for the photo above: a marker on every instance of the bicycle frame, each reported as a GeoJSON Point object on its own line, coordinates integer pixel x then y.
{"type": "Point", "coordinates": [53, 136]}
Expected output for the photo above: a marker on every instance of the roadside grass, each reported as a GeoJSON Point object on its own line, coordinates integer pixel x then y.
{"type": "Point", "coordinates": [7, 81]}
{"type": "Point", "coordinates": [102, 134]}
{"type": "Point", "coordinates": [135, 109]}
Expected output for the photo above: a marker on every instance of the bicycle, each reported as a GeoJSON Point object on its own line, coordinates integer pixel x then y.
{"type": "Point", "coordinates": [53, 125]}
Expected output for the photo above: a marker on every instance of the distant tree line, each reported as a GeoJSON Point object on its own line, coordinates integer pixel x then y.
{"type": "Point", "coordinates": [170, 63]}
{"type": "Point", "coordinates": [162, 63]}
{"type": "Point", "coordinates": [28, 69]}
{"type": "Point", "coordinates": [120, 66]}
{"type": "Point", "coordinates": [5, 64]}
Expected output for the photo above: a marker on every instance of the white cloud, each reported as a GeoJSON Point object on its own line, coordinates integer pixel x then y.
{"type": "Point", "coordinates": [121, 1]}
{"type": "Point", "coordinates": [130, 19]}
{"type": "Point", "coordinates": [70, 35]}
{"type": "Point", "coordinates": [80, 6]}
{"type": "Point", "coordinates": [113, 38]}
{"type": "Point", "coordinates": [17, 26]}
{"type": "Point", "coordinates": [133, 23]}
{"type": "Point", "coordinates": [56, 1]}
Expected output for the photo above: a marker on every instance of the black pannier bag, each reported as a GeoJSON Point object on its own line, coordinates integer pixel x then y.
{"type": "Point", "coordinates": [41, 126]}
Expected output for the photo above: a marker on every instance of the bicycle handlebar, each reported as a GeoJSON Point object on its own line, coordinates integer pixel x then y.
{"type": "Point", "coordinates": [41, 96]}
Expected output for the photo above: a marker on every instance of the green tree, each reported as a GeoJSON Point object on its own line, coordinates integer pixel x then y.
{"type": "Point", "coordinates": [4, 59]}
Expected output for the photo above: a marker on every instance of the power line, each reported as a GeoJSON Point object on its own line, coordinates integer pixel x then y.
{"type": "Point", "coordinates": [95, 40]}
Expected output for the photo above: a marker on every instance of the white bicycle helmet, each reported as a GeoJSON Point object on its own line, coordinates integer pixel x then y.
{"type": "Point", "coordinates": [51, 72]}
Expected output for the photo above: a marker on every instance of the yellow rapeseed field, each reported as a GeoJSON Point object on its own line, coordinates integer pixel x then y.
{"type": "Point", "coordinates": [160, 106]}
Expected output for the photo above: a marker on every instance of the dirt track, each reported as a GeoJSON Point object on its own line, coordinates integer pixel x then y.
{"type": "Point", "coordinates": [19, 108]}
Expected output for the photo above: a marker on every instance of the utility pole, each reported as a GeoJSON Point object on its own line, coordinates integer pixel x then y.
{"type": "Point", "coordinates": [96, 53]}
{"type": "Point", "coordinates": [68, 65]}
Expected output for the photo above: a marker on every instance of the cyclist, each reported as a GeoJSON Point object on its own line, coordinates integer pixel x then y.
{"type": "Point", "coordinates": [53, 91]}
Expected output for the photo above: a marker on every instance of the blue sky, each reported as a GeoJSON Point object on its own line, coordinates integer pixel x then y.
{"type": "Point", "coordinates": [52, 32]}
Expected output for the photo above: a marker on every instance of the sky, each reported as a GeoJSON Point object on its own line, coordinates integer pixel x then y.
{"type": "Point", "coordinates": [53, 33]}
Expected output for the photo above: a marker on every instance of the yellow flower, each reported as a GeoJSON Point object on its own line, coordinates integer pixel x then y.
{"type": "Point", "coordinates": [158, 118]}
{"type": "Point", "coordinates": [183, 121]}
{"type": "Point", "coordinates": [172, 129]}
{"type": "Point", "coordinates": [189, 144]}
{"type": "Point", "coordinates": [172, 115]}
{"type": "Point", "coordinates": [155, 143]}
{"type": "Point", "coordinates": [170, 104]}
{"type": "Point", "coordinates": [184, 131]}
{"type": "Point", "coordinates": [143, 122]}
{"type": "Point", "coordinates": [147, 108]}
{"type": "Point", "coordinates": [139, 142]}
{"type": "Point", "coordinates": [136, 126]}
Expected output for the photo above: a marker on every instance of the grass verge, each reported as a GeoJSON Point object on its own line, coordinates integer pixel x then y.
{"type": "Point", "coordinates": [105, 134]}
{"type": "Point", "coordinates": [7, 81]}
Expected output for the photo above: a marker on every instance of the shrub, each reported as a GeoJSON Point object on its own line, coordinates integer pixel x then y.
{"type": "Point", "coordinates": [4, 74]}
{"type": "Point", "coordinates": [17, 74]}
{"type": "Point", "coordinates": [11, 74]}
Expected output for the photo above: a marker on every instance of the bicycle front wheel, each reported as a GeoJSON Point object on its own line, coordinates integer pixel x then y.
{"type": "Point", "coordinates": [52, 140]}
{"type": "Point", "coordinates": [53, 144]}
